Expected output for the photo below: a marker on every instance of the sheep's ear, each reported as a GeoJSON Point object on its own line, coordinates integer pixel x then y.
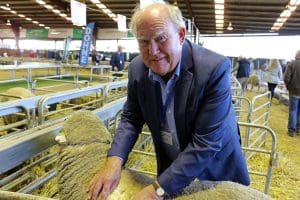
{"type": "Point", "coordinates": [61, 139]}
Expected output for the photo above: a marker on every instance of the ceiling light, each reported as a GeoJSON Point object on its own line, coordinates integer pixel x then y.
{"type": "Point", "coordinates": [294, 2]}
{"type": "Point", "coordinates": [286, 13]}
{"type": "Point", "coordinates": [56, 11]}
{"type": "Point", "coordinates": [112, 15]}
{"type": "Point", "coordinates": [5, 7]}
{"type": "Point", "coordinates": [95, 1]}
{"type": "Point", "coordinates": [13, 12]}
{"type": "Point", "coordinates": [281, 20]}
{"type": "Point", "coordinates": [291, 8]}
{"type": "Point", "coordinates": [107, 11]}
{"type": "Point", "coordinates": [21, 15]}
{"type": "Point", "coordinates": [48, 7]}
{"type": "Point", "coordinates": [221, 17]}
{"type": "Point", "coordinates": [230, 28]}
{"type": "Point", "coordinates": [219, 6]}
{"type": "Point", "coordinates": [8, 23]}
{"type": "Point", "coordinates": [219, 12]}
{"type": "Point", "coordinates": [47, 27]}
{"type": "Point", "coordinates": [219, 1]}
{"type": "Point", "coordinates": [28, 19]}
{"type": "Point", "coordinates": [41, 24]}
{"type": "Point", "coordinates": [40, 2]}
{"type": "Point", "coordinates": [219, 21]}
{"type": "Point", "coordinates": [101, 6]}
{"type": "Point", "coordinates": [63, 15]}
{"type": "Point", "coordinates": [35, 22]}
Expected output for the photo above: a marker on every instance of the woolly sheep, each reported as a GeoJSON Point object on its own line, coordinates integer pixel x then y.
{"type": "Point", "coordinates": [13, 94]}
{"type": "Point", "coordinates": [83, 147]}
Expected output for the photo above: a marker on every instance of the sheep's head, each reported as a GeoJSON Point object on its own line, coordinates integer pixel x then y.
{"type": "Point", "coordinates": [83, 127]}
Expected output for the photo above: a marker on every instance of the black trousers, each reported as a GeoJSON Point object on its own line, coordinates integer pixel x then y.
{"type": "Point", "coordinates": [271, 88]}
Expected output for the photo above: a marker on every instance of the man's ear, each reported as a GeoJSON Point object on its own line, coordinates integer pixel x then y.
{"type": "Point", "coordinates": [181, 33]}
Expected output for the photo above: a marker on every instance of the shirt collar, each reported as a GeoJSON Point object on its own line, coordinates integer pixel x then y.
{"type": "Point", "coordinates": [154, 76]}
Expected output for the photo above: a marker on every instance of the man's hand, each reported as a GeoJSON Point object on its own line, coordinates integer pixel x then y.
{"type": "Point", "coordinates": [105, 181]}
{"type": "Point", "coordinates": [147, 193]}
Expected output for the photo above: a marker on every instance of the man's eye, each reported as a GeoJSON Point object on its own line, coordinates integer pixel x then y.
{"type": "Point", "coordinates": [143, 42]}
{"type": "Point", "coordinates": [161, 38]}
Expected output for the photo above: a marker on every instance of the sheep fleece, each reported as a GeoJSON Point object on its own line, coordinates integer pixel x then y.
{"type": "Point", "coordinates": [85, 153]}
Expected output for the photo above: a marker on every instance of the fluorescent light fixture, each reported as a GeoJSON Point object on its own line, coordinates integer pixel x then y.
{"type": "Point", "coordinates": [47, 27]}
{"type": "Point", "coordinates": [5, 7]}
{"type": "Point", "coordinates": [219, 6]}
{"type": "Point", "coordinates": [107, 11]}
{"type": "Point", "coordinates": [294, 2]}
{"type": "Point", "coordinates": [28, 19]}
{"type": "Point", "coordinates": [42, 25]}
{"type": "Point", "coordinates": [220, 17]}
{"type": "Point", "coordinates": [56, 11]}
{"type": "Point", "coordinates": [219, 21]}
{"type": "Point", "coordinates": [112, 15]}
{"type": "Point", "coordinates": [219, 12]}
{"type": "Point", "coordinates": [95, 1]}
{"type": "Point", "coordinates": [35, 22]}
{"type": "Point", "coordinates": [101, 6]}
{"type": "Point", "coordinates": [291, 8]}
{"type": "Point", "coordinates": [286, 13]}
{"type": "Point", "coordinates": [40, 2]}
{"type": "Point", "coordinates": [62, 14]}
{"type": "Point", "coordinates": [219, 1]}
{"type": "Point", "coordinates": [21, 15]}
{"type": "Point", "coordinates": [281, 20]}
{"type": "Point", "coordinates": [48, 7]}
{"type": "Point", "coordinates": [13, 12]}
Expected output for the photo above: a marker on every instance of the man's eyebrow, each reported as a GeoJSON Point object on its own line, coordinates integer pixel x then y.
{"type": "Point", "coordinates": [154, 37]}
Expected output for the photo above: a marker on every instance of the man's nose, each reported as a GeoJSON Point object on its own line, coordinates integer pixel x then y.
{"type": "Point", "coordinates": [153, 48]}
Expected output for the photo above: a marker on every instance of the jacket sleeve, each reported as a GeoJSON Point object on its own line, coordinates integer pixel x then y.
{"type": "Point", "coordinates": [130, 125]}
{"type": "Point", "coordinates": [113, 60]}
{"type": "Point", "coordinates": [212, 132]}
{"type": "Point", "coordinates": [287, 75]}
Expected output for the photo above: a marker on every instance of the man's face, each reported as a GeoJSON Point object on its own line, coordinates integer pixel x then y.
{"type": "Point", "coordinates": [159, 42]}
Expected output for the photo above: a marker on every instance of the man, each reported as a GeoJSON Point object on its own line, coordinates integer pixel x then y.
{"type": "Point", "coordinates": [292, 82]}
{"type": "Point", "coordinates": [182, 92]}
{"type": "Point", "coordinates": [243, 72]}
{"type": "Point", "coordinates": [117, 60]}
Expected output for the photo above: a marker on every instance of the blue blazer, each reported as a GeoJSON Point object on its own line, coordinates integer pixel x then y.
{"type": "Point", "coordinates": [205, 120]}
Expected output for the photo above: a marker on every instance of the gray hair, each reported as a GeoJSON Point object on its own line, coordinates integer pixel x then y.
{"type": "Point", "coordinates": [173, 13]}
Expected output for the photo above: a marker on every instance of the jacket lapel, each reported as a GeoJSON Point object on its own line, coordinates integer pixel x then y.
{"type": "Point", "coordinates": [153, 100]}
{"type": "Point", "coordinates": [182, 93]}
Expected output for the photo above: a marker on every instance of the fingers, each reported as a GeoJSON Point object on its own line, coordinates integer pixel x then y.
{"type": "Point", "coordinates": [95, 187]}
{"type": "Point", "coordinates": [105, 192]}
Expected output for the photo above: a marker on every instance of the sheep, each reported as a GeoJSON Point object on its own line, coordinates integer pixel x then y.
{"type": "Point", "coordinates": [84, 142]}
{"type": "Point", "coordinates": [13, 94]}
{"type": "Point", "coordinates": [254, 80]}
{"type": "Point", "coordinates": [6, 195]}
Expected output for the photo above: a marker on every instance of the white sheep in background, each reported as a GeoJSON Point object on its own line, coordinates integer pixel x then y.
{"type": "Point", "coordinates": [14, 94]}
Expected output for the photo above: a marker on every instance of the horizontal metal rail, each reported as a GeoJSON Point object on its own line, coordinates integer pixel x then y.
{"type": "Point", "coordinates": [16, 149]}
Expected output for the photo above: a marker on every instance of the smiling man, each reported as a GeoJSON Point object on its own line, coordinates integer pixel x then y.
{"type": "Point", "coordinates": [182, 92]}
